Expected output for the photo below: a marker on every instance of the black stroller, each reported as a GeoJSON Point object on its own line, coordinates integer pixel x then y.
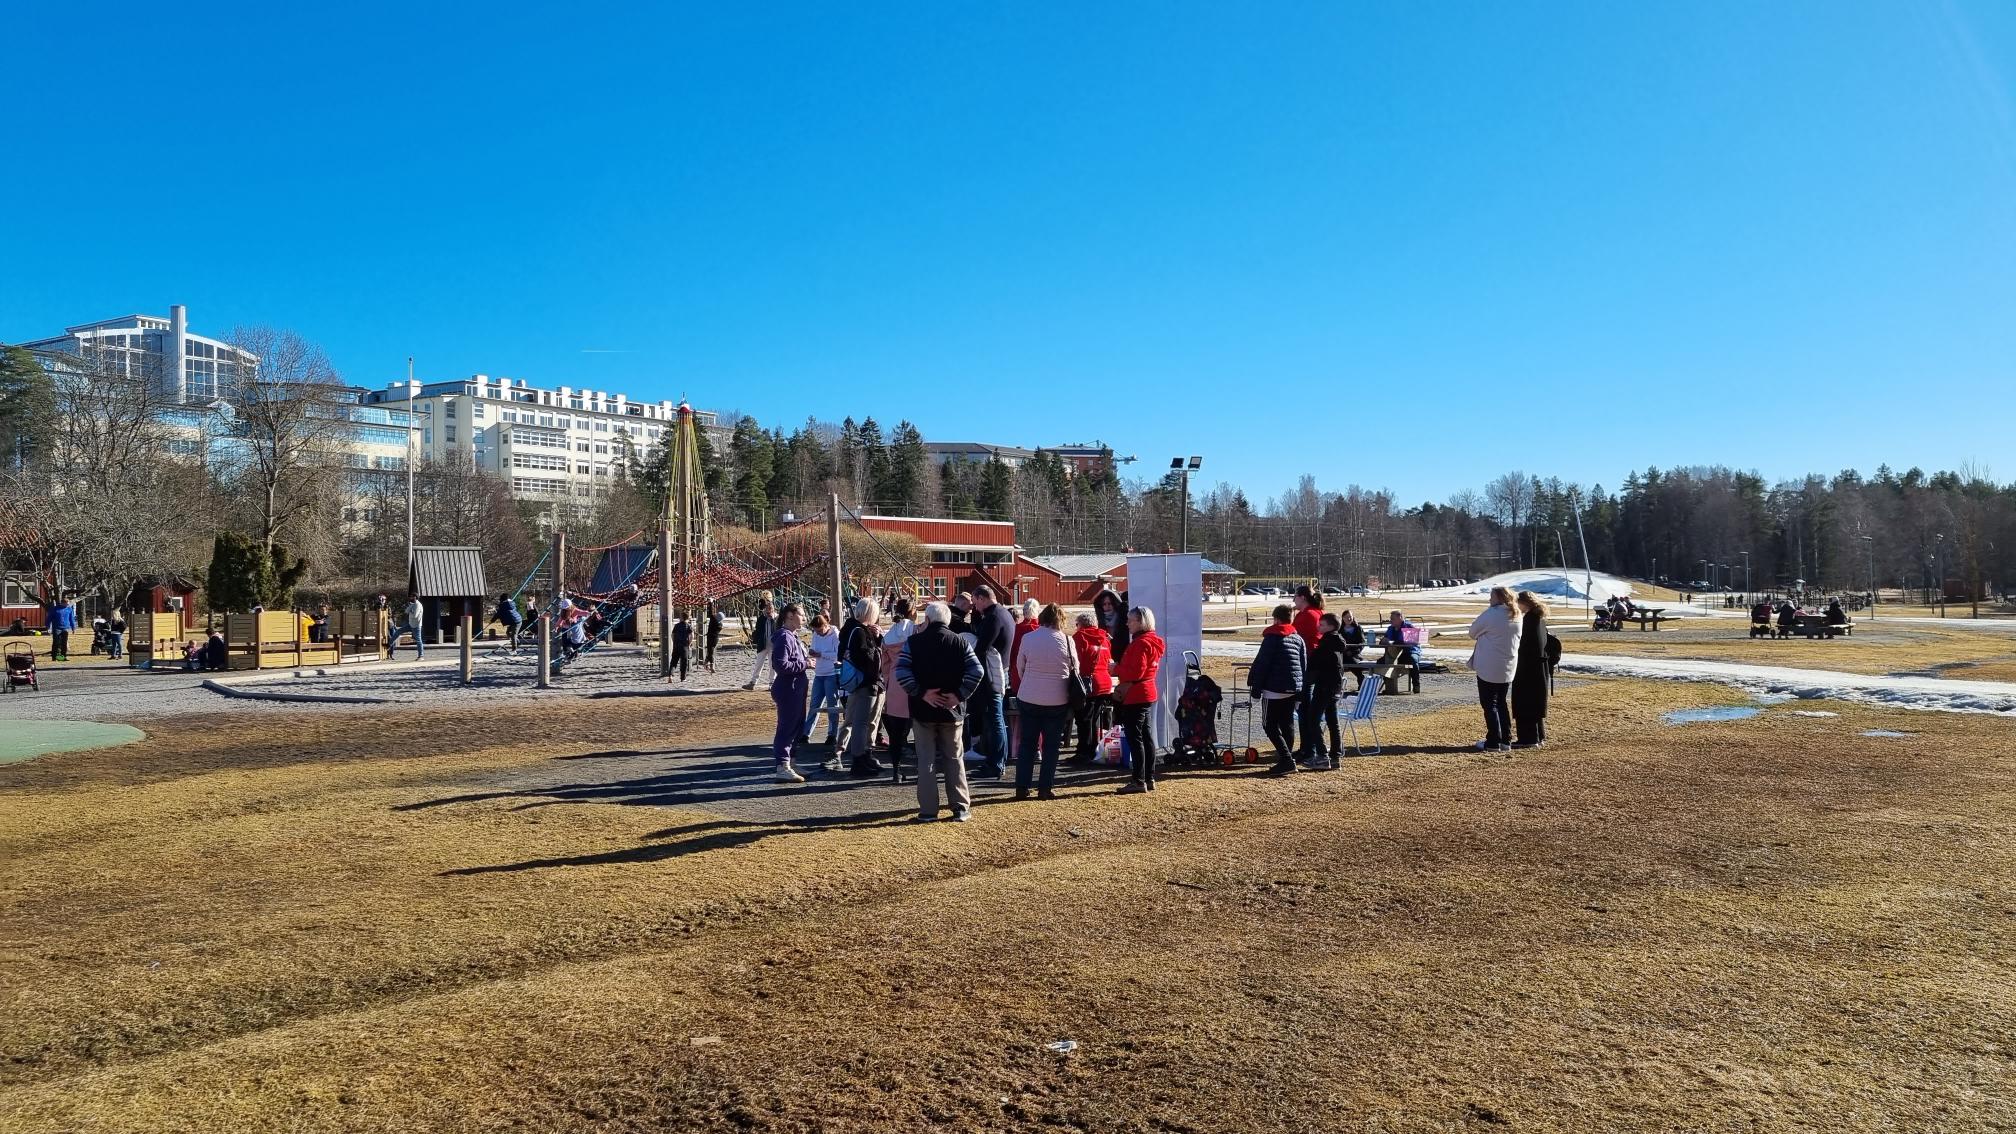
{"type": "Point", "coordinates": [1196, 717]}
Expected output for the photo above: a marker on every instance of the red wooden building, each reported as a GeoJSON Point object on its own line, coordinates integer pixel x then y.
{"type": "Point", "coordinates": [964, 553]}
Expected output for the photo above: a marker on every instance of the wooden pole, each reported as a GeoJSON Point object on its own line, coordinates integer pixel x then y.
{"type": "Point", "coordinates": [836, 607]}
{"type": "Point", "coordinates": [545, 649]}
{"type": "Point", "coordinates": [468, 646]}
{"type": "Point", "coordinates": [665, 600]}
{"type": "Point", "coordinates": [559, 566]}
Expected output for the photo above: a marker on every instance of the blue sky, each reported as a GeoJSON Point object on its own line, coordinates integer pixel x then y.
{"type": "Point", "coordinates": [1256, 233]}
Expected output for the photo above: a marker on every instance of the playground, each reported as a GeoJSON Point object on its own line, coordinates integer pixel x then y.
{"type": "Point", "coordinates": [580, 913]}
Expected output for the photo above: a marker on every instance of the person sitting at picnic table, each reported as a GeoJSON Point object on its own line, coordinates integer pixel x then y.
{"type": "Point", "coordinates": [1835, 615]}
{"type": "Point", "coordinates": [1396, 634]}
{"type": "Point", "coordinates": [1353, 636]}
{"type": "Point", "coordinates": [1788, 618]}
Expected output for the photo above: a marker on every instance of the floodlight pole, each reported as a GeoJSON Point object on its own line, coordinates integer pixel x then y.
{"type": "Point", "coordinates": [411, 390]}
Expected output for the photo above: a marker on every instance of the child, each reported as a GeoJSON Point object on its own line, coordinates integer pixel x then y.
{"type": "Point", "coordinates": [1326, 684]}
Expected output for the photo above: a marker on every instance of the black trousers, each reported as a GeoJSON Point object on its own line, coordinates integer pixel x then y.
{"type": "Point", "coordinates": [1140, 739]}
{"type": "Point", "coordinates": [59, 644]}
{"type": "Point", "coordinates": [1277, 718]}
{"type": "Point", "coordinates": [680, 662]}
{"type": "Point", "coordinates": [1323, 706]}
{"type": "Point", "coordinates": [1312, 726]}
{"type": "Point", "coordinates": [898, 729]}
{"type": "Point", "coordinates": [1093, 721]}
{"type": "Point", "coordinates": [1497, 712]}
{"type": "Point", "coordinates": [1532, 730]}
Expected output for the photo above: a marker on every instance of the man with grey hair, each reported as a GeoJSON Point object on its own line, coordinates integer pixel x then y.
{"type": "Point", "coordinates": [940, 672]}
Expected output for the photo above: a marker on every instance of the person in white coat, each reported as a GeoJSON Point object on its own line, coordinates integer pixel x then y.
{"type": "Point", "coordinates": [1496, 658]}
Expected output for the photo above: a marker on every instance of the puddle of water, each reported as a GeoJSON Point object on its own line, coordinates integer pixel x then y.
{"type": "Point", "coordinates": [1715, 713]}
{"type": "Point", "coordinates": [1884, 732]}
{"type": "Point", "coordinates": [26, 739]}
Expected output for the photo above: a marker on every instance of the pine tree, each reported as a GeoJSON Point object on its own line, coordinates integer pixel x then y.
{"type": "Point", "coordinates": [753, 459]}
{"type": "Point", "coordinates": [997, 489]}
{"type": "Point", "coordinates": [901, 486]}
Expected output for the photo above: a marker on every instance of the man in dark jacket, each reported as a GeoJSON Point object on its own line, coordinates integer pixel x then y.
{"type": "Point", "coordinates": [940, 672]}
{"type": "Point", "coordinates": [1326, 684]}
{"type": "Point", "coordinates": [682, 648]}
{"type": "Point", "coordinates": [993, 630]}
{"type": "Point", "coordinates": [1277, 679]}
{"type": "Point", "coordinates": [716, 619]}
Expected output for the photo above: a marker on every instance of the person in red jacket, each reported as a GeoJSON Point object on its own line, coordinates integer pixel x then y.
{"type": "Point", "coordinates": [1025, 621]}
{"type": "Point", "coordinates": [1136, 695]}
{"type": "Point", "coordinates": [1095, 661]}
{"type": "Point", "coordinates": [1309, 625]}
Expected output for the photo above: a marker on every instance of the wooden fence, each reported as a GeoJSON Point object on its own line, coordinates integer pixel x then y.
{"type": "Point", "coordinates": [274, 639]}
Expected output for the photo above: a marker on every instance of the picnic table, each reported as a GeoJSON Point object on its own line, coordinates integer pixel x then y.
{"type": "Point", "coordinates": [1817, 626]}
{"type": "Point", "coordinates": [1387, 666]}
{"type": "Point", "coordinates": [1649, 617]}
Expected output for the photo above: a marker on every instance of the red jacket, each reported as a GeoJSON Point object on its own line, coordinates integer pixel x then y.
{"type": "Point", "coordinates": [1138, 667]}
{"type": "Point", "coordinates": [1095, 658]}
{"type": "Point", "coordinates": [1309, 624]}
{"type": "Point", "coordinates": [1021, 631]}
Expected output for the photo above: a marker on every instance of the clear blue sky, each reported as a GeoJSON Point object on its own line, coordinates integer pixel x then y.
{"type": "Point", "coordinates": [1232, 230]}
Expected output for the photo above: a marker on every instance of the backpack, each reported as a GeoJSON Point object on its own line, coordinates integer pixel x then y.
{"type": "Point", "coordinates": [849, 675]}
{"type": "Point", "coordinates": [1553, 650]}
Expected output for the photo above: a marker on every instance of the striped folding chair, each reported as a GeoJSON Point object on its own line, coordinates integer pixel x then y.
{"type": "Point", "coordinates": [1361, 710]}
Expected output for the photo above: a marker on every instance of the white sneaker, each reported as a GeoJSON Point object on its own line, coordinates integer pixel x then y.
{"type": "Point", "coordinates": [786, 774]}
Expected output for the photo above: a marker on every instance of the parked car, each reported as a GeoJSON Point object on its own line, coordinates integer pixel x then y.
{"type": "Point", "coordinates": [1360, 590]}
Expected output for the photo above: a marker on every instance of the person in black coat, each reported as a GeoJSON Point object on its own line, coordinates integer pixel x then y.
{"type": "Point", "coordinates": [1326, 684]}
{"type": "Point", "coordinates": [1529, 680]}
{"type": "Point", "coordinates": [1276, 679]}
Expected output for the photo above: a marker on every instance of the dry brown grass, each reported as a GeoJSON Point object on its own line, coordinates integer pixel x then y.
{"type": "Point", "coordinates": [1770, 924]}
{"type": "Point", "coordinates": [1877, 647]}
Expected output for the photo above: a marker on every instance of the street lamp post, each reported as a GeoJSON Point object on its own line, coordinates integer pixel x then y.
{"type": "Point", "coordinates": [1870, 542]}
{"type": "Point", "coordinates": [1183, 469]}
{"type": "Point", "coordinates": [1746, 571]}
{"type": "Point", "coordinates": [410, 391]}
{"type": "Point", "coordinates": [1939, 570]}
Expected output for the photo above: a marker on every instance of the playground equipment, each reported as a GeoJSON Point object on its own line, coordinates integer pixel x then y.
{"type": "Point", "coordinates": [688, 571]}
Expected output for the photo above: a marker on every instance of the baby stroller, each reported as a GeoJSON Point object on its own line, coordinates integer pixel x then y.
{"type": "Point", "coordinates": [1604, 621]}
{"type": "Point", "coordinates": [1196, 716]}
{"type": "Point", "coordinates": [21, 666]}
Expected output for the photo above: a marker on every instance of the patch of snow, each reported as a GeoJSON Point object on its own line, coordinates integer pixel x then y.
{"type": "Point", "coordinates": [1548, 582]}
{"type": "Point", "coordinates": [1769, 684]}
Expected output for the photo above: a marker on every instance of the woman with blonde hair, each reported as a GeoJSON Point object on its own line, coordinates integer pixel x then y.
{"type": "Point", "coordinates": [860, 648]}
{"type": "Point", "coordinates": [1496, 658]}
{"type": "Point", "coordinates": [1529, 680]}
{"type": "Point", "coordinates": [1045, 667]}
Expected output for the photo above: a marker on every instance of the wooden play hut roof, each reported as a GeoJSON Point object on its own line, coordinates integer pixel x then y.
{"type": "Point", "coordinates": [448, 572]}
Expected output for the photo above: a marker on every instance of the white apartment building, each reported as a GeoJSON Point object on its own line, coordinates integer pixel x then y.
{"type": "Point", "coordinates": [552, 444]}
{"type": "Point", "coordinates": [193, 374]}
{"type": "Point", "coordinates": [187, 367]}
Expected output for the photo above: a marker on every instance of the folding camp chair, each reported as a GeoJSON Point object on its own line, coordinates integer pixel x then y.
{"type": "Point", "coordinates": [1361, 710]}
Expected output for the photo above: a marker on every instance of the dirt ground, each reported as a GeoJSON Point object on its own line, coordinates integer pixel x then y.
{"type": "Point", "coordinates": [310, 923]}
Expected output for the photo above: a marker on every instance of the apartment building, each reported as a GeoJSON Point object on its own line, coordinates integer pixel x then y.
{"type": "Point", "coordinates": [551, 444]}
{"type": "Point", "coordinates": [193, 375]}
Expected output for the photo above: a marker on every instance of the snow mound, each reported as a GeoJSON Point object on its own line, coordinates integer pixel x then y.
{"type": "Point", "coordinates": [1549, 582]}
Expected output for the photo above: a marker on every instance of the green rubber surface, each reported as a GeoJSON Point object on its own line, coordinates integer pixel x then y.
{"type": "Point", "coordinates": [21, 740]}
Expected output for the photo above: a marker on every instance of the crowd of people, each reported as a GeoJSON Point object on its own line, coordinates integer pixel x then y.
{"type": "Point", "coordinates": [969, 684]}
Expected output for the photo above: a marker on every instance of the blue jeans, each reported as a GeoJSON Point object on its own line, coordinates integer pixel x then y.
{"type": "Point", "coordinates": [1044, 724]}
{"type": "Point", "coordinates": [392, 642]}
{"type": "Point", "coordinates": [825, 699]}
{"type": "Point", "coordinates": [989, 729]}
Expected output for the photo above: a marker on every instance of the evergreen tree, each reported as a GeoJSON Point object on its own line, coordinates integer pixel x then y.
{"type": "Point", "coordinates": [27, 407]}
{"type": "Point", "coordinates": [997, 488]}
{"type": "Point", "coordinates": [752, 456]}
{"type": "Point", "coordinates": [902, 486]}
{"type": "Point", "coordinates": [240, 575]}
